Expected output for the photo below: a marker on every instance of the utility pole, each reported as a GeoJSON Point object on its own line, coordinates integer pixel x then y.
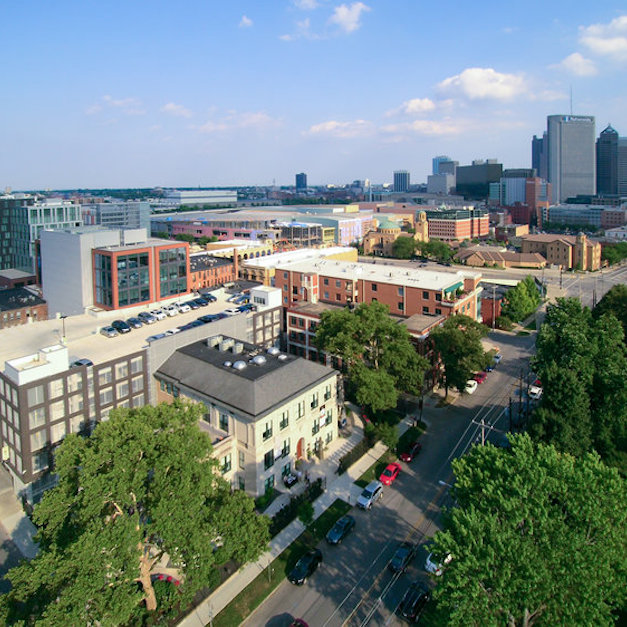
{"type": "Point", "coordinates": [493, 306]}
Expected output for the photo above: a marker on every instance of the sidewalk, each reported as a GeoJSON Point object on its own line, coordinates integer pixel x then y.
{"type": "Point", "coordinates": [338, 487]}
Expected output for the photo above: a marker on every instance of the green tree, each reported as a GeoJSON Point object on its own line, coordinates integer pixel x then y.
{"type": "Point", "coordinates": [458, 343]}
{"type": "Point", "coordinates": [376, 351]}
{"type": "Point", "coordinates": [521, 300]}
{"type": "Point", "coordinates": [185, 237]}
{"type": "Point", "coordinates": [615, 302]}
{"type": "Point", "coordinates": [614, 253]}
{"type": "Point", "coordinates": [142, 488]}
{"type": "Point", "coordinates": [306, 513]}
{"type": "Point", "coordinates": [388, 434]}
{"type": "Point", "coordinates": [404, 247]}
{"type": "Point", "coordinates": [536, 536]}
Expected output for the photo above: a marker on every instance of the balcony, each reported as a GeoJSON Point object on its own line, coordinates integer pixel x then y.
{"type": "Point", "coordinates": [315, 429]}
{"type": "Point", "coordinates": [267, 435]}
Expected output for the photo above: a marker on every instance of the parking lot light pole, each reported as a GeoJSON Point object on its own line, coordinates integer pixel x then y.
{"type": "Point", "coordinates": [63, 317]}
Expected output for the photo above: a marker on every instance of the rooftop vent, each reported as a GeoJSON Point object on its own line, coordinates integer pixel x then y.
{"type": "Point", "coordinates": [258, 360]}
{"type": "Point", "coordinates": [239, 365]}
{"type": "Point", "coordinates": [282, 357]}
{"type": "Point", "coordinates": [214, 341]}
{"type": "Point", "coordinates": [228, 364]}
{"type": "Point", "coordinates": [273, 350]}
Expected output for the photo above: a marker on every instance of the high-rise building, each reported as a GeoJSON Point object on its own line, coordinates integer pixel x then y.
{"type": "Point", "coordinates": [118, 215]}
{"type": "Point", "coordinates": [571, 155]}
{"type": "Point", "coordinates": [301, 181]}
{"type": "Point", "coordinates": [622, 167]}
{"type": "Point", "coordinates": [436, 163]}
{"type": "Point", "coordinates": [539, 155]}
{"type": "Point", "coordinates": [607, 161]}
{"type": "Point", "coordinates": [401, 181]}
{"type": "Point", "coordinates": [473, 181]}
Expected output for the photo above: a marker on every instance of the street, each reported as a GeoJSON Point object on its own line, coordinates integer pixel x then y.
{"type": "Point", "coordinates": [353, 586]}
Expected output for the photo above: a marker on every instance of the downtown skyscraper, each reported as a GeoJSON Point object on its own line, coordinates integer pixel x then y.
{"type": "Point", "coordinates": [571, 155]}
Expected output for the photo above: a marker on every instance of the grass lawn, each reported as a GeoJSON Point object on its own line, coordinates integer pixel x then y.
{"type": "Point", "coordinates": [523, 333]}
{"type": "Point", "coordinates": [532, 325]}
{"type": "Point", "coordinates": [256, 592]}
{"type": "Point", "coordinates": [376, 469]}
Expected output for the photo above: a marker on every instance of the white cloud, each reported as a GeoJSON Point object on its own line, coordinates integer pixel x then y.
{"type": "Point", "coordinates": [577, 64]}
{"type": "Point", "coordinates": [245, 22]}
{"type": "Point", "coordinates": [423, 127]}
{"type": "Point", "coordinates": [347, 17]}
{"type": "Point", "coordinates": [128, 106]}
{"type": "Point", "coordinates": [606, 39]}
{"type": "Point", "coordinates": [344, 130]}
{"type": "Point", "coordinates": [176, 110]}
{"type": "Point", "coordinates": [416, 106]}
{"type": "Point", "coordinates": [302, 32]}
{"type": "Point", "coordinates": [306, 5]}
{"type": "Point", "coordinates": [256, 120]}
{"type": "Point", "coordinates": [483, 83]}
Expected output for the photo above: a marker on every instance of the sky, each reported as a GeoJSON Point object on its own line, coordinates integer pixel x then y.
{"type": "Point", "coordinates": [131, 93]}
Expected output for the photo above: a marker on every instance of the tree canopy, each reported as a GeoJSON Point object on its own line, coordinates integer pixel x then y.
{"type": "Point", "coordinates": [458, 342]}
{"type": "Point", "coordinates": [521, 300]}
{"type": "Point", "coordinates": [376, 351]}
{"type": "Point", "coordinates": [404, 247]}
{"type": "Point", "coordinates": [141, 490]}
{"type": "Point", "coordinates": [536, 536]}
{"type": "Point", "coordinates": [582, 362]}
{"type": "Point", "coordinates": [615, 302]}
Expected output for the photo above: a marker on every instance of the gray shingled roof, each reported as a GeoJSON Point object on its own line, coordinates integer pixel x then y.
{"type": "Point", "coordinates": [255, 390]}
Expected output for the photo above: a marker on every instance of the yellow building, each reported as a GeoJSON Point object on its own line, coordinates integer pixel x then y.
{"type": "Point", "coordinates": [567, 251]}
{"type": "Point", "coordinates": [381, 241]}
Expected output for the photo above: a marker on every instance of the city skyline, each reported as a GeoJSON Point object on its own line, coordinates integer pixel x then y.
{"type": "Point", "coordinates": [206, 94]}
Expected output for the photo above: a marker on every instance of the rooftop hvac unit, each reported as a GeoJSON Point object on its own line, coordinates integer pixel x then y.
{"type": "Point", "coordinates": [273, 350]}
{"type": "Point", "coordinates": [214, 341]}
{"type": "Point", "coordinates": [238, 347]}
{"type": "Point", "coordinates": [259, 360]}
{"type": "Point", "coordinates": [226, 344]}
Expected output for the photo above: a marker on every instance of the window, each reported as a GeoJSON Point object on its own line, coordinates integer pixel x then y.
{"type": "Point", "coordinates": [225, 464]}
{"type": "Point", "coordinates": [316, 427]}
{"type": "Point", "coordinates": [104, 376]}
{"type": "Point", "coordinates": [121, 370]}
{"type": "Point", "coordinates": [136, 365]}
{"type": "Point", "coordinates": [57, 410]}
{"type": "Point", "coordinates": [267, 434]}
{"type": "Point", "coordinates": [325, 281]}
{"type": "Point", "coordinates": [293, 320]}
{"type": "Point", "coordinates": [137, 384]}
{"type": "Point", "coordinates": [106, 396]}
{"type": "Point", "coordinates": [242, 459]}
{"type": "Point", "coordinates": [286, 469]}
{"type": "Point", "coordinates": [268, 484]}
{"type": "Point", "coordinates": [37, 417]}
{"type": "Point", "coordinates": [241, 483]}
{"type": "Point", "coordinates": [425, 309]}
{"type": "Point", "coordinates": [438, 297]}
{"type": "Point", "coordinates": [285, 420]}
{"type": "Point", "coordinates": [425, 295]}
{"type": "Point", "coordinates": [329, 437]}
{"type": "Point", "coordinates": [75, 403]}
{"type": "Point", "coordinates": [40, 461]}
{"type": "Point", "coordinates": [338, 297]}
{"type": "Point", "coordinates": [55, 388]}
{"type": "Point", "coordinates": [401, 306]}
{"type": "Point", "coordinates": [74, 383]}
{"type": "Point", "coordinates": [326, 294]}
{"type": "Point", "coordinates": [268, 460]}
{"type": "Point", "coordinates": [37, 440]}
{"type": "Point", "coordinates": [285, 275]}
{"type": "Point", "coordinates": [329, 417]}
{"type": "Point", "coordinates": [35, 395]}
{"type": "Point", "coordinates": [374, 287]}
{"type": "Point", "coordinates": [121, 389]}
{"type": "Point", "coordinates": [438, 311]}
{"type": "Point", "coordinates": [57, 432]}
{"type": "Point", "coordinates": [224, 422]}
{"type": "Point", "coordinates": [301, 409]}
{"type": "Point", "coordinates": [401, 291]}
{"type": "Point", "coordinates": [338, 284]}
{"type": "Point", "coordinates": [327, 392]}
{"type": "Point", "coordinates": [314, 400]}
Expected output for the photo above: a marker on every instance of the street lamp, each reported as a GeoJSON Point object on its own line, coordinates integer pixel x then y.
{"type": "Point", "coordinates": [63, 317]}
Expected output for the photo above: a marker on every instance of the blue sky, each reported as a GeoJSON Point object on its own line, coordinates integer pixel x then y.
{"type": "Point", "coordinates": [139, 94]}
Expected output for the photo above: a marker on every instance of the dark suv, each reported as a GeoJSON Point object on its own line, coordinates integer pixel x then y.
{"type": "Point", "coordinates": [305, 567]}
{"type": "Point", "coordinates": [120, 326]}
{"type": "Point", "coordinates": [414, 601]}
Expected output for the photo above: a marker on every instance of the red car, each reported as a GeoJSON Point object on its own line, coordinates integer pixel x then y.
{"type": "Point", "coordinates": [389, 474]}
{"type": "Point", "coordinates": [480, 377]}
{"type": "Point", "coordinates": [411, 452]}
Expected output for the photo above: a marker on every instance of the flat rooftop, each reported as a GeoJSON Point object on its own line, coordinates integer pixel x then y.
{"type": "Point", "coordinates": [382, 272]}
{"type": "Point", "coordinates": [295, 256]}
{"type": "Point", "coordinates": [82, 333]}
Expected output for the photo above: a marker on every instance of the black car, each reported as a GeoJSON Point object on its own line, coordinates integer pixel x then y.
{"type": "Point", "coordinates": [404, 554]}
{"type": "Point", "coordinates": [340, 529]}
{"type": "Point", "coordinates": [208, 318]}
{"type": "Point", "coordinates": [414, 601]}
{"type": "Point", "coordinates": [305, 567]}
{"type": "Point", "coordinates": [135, 323]}
{"type": "Point", "coordinates": [210, 298]}
{"type": "Point", "coordinates": [120, 326]}
{"type": "Point", "coordinates": [81, 362]}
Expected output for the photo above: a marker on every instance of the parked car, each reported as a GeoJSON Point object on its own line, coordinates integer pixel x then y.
{"type": "Point", "coordinates": [108, 332]}
{"type": "Point", "coordinates": [411, 452]}
{"type": "Point", "coordinates": [134, 323]}
{"type": "Point", "coordinates": [232, 311]}
{"type": "Point", "coordinates": [404, 554]}
{"type": "Point", "coordinates": [497, 358]}
{"type": "Point", "coordinates": [413, 604]}
{"type": "Point", "coordinates": [120, 326]}
{"type": "Point", "coordinates": [183, 307]}
{"type": "Point", "coordinates": [173, 331]}
{"type": "Point", "coordinates": [209, 297]}
{"type": "Point", "coordinates": [159, 314]}
{"type": "Point", "coordinates": [192, 304]}
{"type": "Point", "coordinates": [208, 318]}
{"type": "Point", "coordinates": [146, 317]}
{"type": "Point", "coordinates": [480, 377]}
{"type": "Point", "coordinates": [171, 310]}
{"type": "Point", "coordinates": [535, 392]}
{"type": "Point", "coordinates": [471, 386]}
{"type": "Point", "coordinates": [152, 338]}
{"type": "Point", "coordinates": [201, 302]}
{"type": "Point", "coordinates": [81, 362]}
{"type": "Point", "coordinates": [390, 473]}
{"type": "Point", "coordinates": [247, 307]}
{"type": "Point", "coordinates": [305, 567]}
{"type": "Point", "coordinates": [371, 494]}
{"type": "Point", "coordinates": [340, 529]}
{"type": "Point", "coordinates": [435, 565]}
{"type": "Point", "coordinates": [191, 325]}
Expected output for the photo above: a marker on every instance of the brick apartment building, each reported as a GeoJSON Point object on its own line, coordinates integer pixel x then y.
{"type": "Point", "coordinates": [457, 224]}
